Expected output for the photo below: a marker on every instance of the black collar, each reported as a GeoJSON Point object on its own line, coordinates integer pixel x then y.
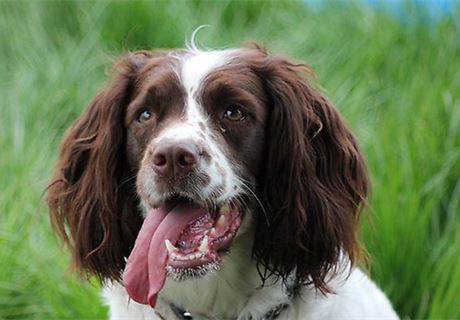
{"type": "Point", "coordinates": [271, 314]}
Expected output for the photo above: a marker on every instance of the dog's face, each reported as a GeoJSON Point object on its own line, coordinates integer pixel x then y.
{"type": "Point", "coordinates": [195, 136]}
{"type": "Point", "coordinates": [196, 128]}
{"type": "Point", "coordinates": [198, 141]}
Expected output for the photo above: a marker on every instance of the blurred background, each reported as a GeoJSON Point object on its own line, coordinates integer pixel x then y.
{"type": "Point", "coordinates": [392, 69]}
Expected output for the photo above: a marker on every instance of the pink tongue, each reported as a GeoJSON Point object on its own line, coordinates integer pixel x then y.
{"type": "Point", "coordinates": [145, 271]}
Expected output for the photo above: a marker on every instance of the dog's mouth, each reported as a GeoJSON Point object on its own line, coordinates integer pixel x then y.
{"type": "Point", "coordinates": [182, 239]}
{"type": "Point", "coordinates": [203, 241]}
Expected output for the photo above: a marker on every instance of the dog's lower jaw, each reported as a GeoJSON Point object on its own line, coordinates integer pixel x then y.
{"type": "Point", "coordinates": [222, 294]}
{"type": "Point", "coordinates": [224, 291]}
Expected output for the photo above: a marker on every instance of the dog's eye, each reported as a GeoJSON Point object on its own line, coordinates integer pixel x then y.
{"type": "Point", "coordinates": [234, 113]}
{"type": "Point", "coordinates": [144, 116]}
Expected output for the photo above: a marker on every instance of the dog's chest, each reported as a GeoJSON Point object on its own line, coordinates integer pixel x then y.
{"type": "Point", "coordinates": [219, 302]}
{"type": "Point", "coordinates": [223, 294]}
{"type": "Point", "coordinates": [234, 292]}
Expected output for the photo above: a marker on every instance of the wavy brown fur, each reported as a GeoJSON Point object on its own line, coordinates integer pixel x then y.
{"type": "Point", "coordinates": [91, 198]}
{"type": "Point", "coordinates": [315, 179]}
{"type": "Point", "coordinates": [312, 187]}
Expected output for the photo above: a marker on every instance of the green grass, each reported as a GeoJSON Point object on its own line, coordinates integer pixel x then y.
{"type": "Point", "coordinates": [397, 85]}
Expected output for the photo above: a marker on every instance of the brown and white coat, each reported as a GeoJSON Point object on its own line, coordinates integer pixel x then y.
{"type": "Point", "coordinates": [236, 128]}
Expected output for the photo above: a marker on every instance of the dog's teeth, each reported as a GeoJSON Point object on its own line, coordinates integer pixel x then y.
{"type": "Point", "coordinates": [179, 257]}
{"type": "Point", "coordinates": [212, 232]}
{"type": "Point", "coordinates": [225, 209]}
{"type": "Point", "coordinates": [170, 247]}
{"type": "Point", "coordinates": [204, 245]}
{"type": "Point", "coordinates": [221, 221]}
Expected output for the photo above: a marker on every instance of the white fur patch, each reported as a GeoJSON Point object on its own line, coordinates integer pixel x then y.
{"type": "Point", "coordinates": [196, 65]}
{"type": "Point", "coordinates": [194, 124]}
{"type": "Point", "coordinates": [236, 292]}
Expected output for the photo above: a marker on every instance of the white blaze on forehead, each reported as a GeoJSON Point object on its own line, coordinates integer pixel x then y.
{"type": "Point", "coordinates": [193, 68]}
{"type": "Point", "coordinates": [197, 65]}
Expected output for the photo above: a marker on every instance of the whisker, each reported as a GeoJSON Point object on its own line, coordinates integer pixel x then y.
{"type": "Point", "coordinates": [252, 193]}
{"type": "Point", "coordinates": [129, 179]}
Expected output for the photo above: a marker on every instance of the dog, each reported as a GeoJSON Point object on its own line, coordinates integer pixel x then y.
{"type": "Point", "coordinates": [215, 184]}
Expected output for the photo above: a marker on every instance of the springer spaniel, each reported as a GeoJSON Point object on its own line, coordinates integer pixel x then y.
{"type": "Point", "coordinates": [215, 185]}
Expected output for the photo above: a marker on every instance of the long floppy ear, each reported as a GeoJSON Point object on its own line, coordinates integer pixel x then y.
{"type": "Point", "coordinates": [315, 180]}
{"type": "Point", "coordinates": [91, 196]}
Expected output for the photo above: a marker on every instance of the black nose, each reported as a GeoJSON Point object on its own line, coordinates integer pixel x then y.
{"type": "Point", "coordinates": [174, 159]}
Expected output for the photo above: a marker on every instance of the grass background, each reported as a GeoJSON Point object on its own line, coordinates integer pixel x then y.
{"type": "Point", "coordinates": [396, 82]}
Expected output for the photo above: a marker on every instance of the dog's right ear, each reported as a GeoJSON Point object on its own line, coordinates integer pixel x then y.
{"type": "Point", "coordinates": [91, 199]}
{"type": "Point", "coordinates": [315, 183]}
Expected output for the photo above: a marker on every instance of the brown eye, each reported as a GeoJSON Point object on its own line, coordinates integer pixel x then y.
{"type": "Point", "coordinates": [234, 113]}
{"type": "Point", "coordinates": [144, 116]}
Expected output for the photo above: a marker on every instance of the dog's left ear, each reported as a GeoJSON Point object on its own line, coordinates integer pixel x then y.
{"type": "Point", "coordinates": [91, 198]}
{"type": "Point", "coordinates": [315, 180]}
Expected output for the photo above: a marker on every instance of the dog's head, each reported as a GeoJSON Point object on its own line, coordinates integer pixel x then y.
{"type": "Point", "coordinates": [197, 143]}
